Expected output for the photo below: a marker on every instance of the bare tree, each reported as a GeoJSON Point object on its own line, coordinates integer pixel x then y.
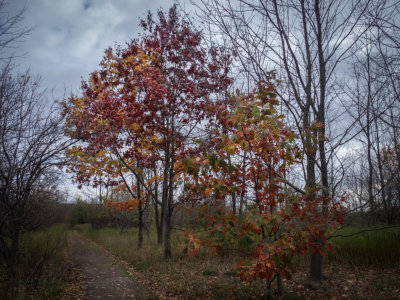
{"type": "Point", "coordinates": [11, 31]}
{"type": "Point", "coordinates": [374, 91]}
{"type": "Point", "coordinates": [309, 44]}
{"type": "Point", "coordinates": [32, 143]}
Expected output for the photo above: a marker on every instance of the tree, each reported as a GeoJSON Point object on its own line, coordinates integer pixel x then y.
{"type": "Point", "coordinates": [306, 42]}
{"type": "Point", "coordinates": [374, 93]}
{"type": "Point", "coordinates": [280, 217]}
{"type": "Point", "coordinates": [146, 102]}
{"type": "Point", "coordinates": [32, 142]}
{"type": "Point", "coordinates": [11, 31]}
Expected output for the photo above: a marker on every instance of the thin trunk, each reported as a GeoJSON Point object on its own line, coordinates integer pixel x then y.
{"type": "Point", "coordinates": [140, 212]}
{"type": "Point", "coordinates": [159, 222]}
{"type": "Point", "coordinates": [170, 195]}
{"type": "Point", "coordinates": [368, 129]}
{"type": "Point", "coordinates": [233, 203]}
{"type": "Point", "coordinates": [257, 200]}
{"type": "Point", "coordinates": [167, 237]}
{"type": "Point", "coordinates": [164, 199]}
{"type": "Point", "coordinates": [140, 234]}
{"type": "Point", "coordinates": [242, 203]}
{"type": "Point", "coordinates": [242, 194]}
{"type": "Point", "coordinates": [380, 172]}
{"type": "Point", "coordinates": [316, 257]}
{"type": "Point", "coordinates": [233, 195]}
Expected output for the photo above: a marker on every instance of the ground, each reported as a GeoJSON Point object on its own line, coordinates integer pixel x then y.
{"type": "Point", "coordinates": [103, 271]}
{"type": "Point", "coordinates": [100, 276]}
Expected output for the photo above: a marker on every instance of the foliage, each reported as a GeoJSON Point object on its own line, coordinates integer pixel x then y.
{"type": "Point", "coordinates": [122, 114]}
{"type": "Point", "coordinates": [137, 113]}
{"type": "Point", "coordinates": [100, 216]}
{"type": "Point", "coordinates": [280, 222]}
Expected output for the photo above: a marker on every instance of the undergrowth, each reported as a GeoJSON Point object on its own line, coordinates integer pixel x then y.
{"type": "Point", "coordinates": [40, 264]}
{"type": "Point", "coordinates": [377, 248]}
{"type": "Point", "coordinates": [213, 277]}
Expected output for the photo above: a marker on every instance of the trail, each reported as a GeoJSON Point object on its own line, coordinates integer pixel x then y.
{"type": "Point", "coordinates": [103, 278]}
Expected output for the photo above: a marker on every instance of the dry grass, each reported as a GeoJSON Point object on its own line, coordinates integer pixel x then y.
{"type": "Point", "coordinates": [208, 277]}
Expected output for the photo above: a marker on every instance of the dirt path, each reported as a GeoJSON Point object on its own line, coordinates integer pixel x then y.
{"type": "Point", "coordinates": [103, 278]}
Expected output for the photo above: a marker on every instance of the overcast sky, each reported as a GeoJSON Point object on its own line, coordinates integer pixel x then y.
{"type": "Point", "coordinates": [69, 36]}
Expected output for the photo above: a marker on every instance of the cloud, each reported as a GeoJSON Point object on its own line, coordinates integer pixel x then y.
{"type": "Point", "coordinates": [69, 37]}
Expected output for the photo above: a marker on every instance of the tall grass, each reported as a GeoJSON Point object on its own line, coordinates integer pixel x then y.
{"type": "Point", "coordinates": [40, 264]}
{"type": "Point", "coordinates": [124, 245]}
{"type": "Point", "coordinates": [377, 248]}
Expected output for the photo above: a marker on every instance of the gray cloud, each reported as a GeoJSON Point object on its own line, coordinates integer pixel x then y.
{"type": "Point", "coordinates": [69, 36]}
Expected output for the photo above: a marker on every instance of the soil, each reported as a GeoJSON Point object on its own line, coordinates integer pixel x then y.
{"type": "Point", "coordinates": [103, 278]}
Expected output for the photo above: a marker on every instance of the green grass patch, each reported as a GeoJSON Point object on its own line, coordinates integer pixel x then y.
{"type": "Point", "coordinates": [124, 245]}
{"type": "Point", "coordinates": [378, 248]}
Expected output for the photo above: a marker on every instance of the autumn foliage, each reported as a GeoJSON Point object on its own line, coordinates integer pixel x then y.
{"type": "Point", "coordinates": [250, 152]}
{"type": "Point", "coordinates": [138, 114]}
{"type": "Point", "coordinates": [158, 114]}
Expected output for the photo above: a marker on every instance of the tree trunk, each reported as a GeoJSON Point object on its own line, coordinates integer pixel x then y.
{"type": "Point", "coordinates": [159, 221]}
{"type": "Point", "coordinates": [233, 195]}
{"type": "Point", "coordinates": [140, 212]}
{"type": "Point", "coordinates": [167, 237]}
{"type": "Point", "coordinates": [164, 196]}
{"type": "Point", "coordinates": [140, 234]}
{"type": "Point", "coordinates": [169, 210]}
{"type": "Point", "coordinates": [316, 266]}
{"type": "Point", "coordinates": [158, 224]}
{"type": "Point", "coordinates": [170, 192]}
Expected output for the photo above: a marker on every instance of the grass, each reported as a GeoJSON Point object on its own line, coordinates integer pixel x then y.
{"type": "Point", "coordinates": [124, 245]}
{"type": "Point", "coordinates": [182, 276]}
{"type": "Point", "coordinates": [354, 270]}
{"type": "Point", "coordinates": [40, 264]}
{"type": "Point", "coordinates": [380, 248]}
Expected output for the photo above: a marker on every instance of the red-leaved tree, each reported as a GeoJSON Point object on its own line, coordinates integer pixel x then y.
{"type": "Point", "coordinates": [142, 109]}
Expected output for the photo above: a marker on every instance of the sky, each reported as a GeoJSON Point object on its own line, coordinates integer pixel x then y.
{"type": "Point", "coordinates": [69, 36]}
{"type": "Point", "coordinates": [68, 40]}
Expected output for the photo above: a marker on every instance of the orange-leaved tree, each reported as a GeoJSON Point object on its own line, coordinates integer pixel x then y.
{"type": "Point", "coordinates": [280, 217]}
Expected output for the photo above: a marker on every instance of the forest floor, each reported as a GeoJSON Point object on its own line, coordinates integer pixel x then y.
{"type": "Point", "coordinates": [94, 275]}
{"type": "Point", "coordinates": [100, 262]}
